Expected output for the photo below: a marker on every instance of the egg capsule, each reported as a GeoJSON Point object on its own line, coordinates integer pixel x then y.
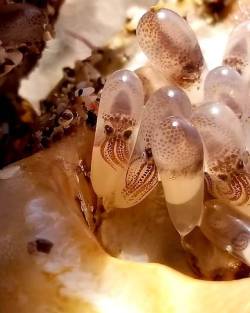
{"type": "Point", "coordinates": [178, 153]}
{"type": "Point", "coordinates": [172, 47]}
{"type": "Point", "coordinates": [227, 229]}
{"type": "Point", "coordinates": [237, 53]}
{"type": "Point", "coordinates": [224, 84]}
{"type": "Point", "coordinates": [237, 56]}
{"type": "Point", "coordinates": [222, 135]}
{"type": "Point", "coordinates": [207, 260]}
{"type": "Point", "coordinates": [142, 176]}
{"type": "Point", "coordinates": [117, 126]}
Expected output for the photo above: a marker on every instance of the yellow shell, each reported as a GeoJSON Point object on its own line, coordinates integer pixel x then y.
{"type": "Point", "coordinates": [38, 201]}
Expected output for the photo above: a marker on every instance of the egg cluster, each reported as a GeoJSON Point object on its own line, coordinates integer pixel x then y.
{"type": "Point", "coordinates": [197, 149]}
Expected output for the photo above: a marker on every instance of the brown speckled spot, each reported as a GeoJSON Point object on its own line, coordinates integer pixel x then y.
{"type": "Point", "coordinates": [39, 245]}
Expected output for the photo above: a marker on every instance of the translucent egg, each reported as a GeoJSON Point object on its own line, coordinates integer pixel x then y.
{"type": "Point", "coordinates": [237, 53]}
{"type": "Point", "coordinates": [172, 47]}
{"type": "Point", "coordinates": [117, 127]}
{"type": "Point", "coordinates": [227, 229]}
{"type": "Point", "coordinates": [224, 84]}
{"type": "Point", "coordinates": [178, 153]}
{"type": "Point", "coordinates": [220, 130]}
{"type": "Point", "coordinates": [142, 174]}
{"type": "Point", "coordinates": [165, 102]}
{"type": "Point", "coordinates": [222, 135]}
{"type": "Point", "coordinates": [207, 260]}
